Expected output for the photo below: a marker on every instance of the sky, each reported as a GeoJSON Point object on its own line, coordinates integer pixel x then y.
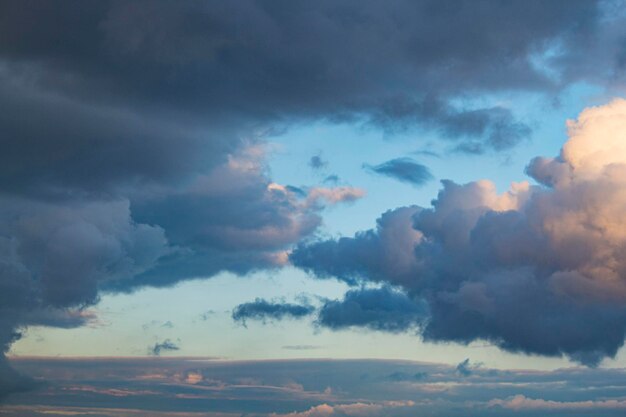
{"type": "Point", "coordinates": [430, 185]}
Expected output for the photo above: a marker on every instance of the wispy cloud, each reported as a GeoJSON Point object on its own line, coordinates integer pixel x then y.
{"type": "Point", "coordinates": [403, 169]}
{"type": "Point", "coordinates": [164, 346]}
{"type": "Point", "coordinates": [263, 310]}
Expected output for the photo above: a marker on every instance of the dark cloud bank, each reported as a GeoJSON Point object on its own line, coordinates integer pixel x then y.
{"type": "Point", "coordinates": [132, 139]}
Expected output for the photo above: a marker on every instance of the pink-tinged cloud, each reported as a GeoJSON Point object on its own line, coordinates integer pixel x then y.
{"type": "Point", "coordinates": [359, 409]}
{"type": "Point", "coordinates": [336, 195]}
{"type": "Point", "coordinates": [520, 403]}
{"type": "Point", "coordinates": [533, 269]}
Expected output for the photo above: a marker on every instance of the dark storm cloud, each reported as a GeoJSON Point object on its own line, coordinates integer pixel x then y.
{"type": "Point", "coordinates": [393, 65]}
{"type": "Point", "coordinates": [164, 346]}
{"type": "Point", "coordinates": [381, 309]}
{"type": "Point", "coordinates": [260, 309]}
{"type": "Point", "coordinates": [132, 133]}
{"type": "Point", "coordinates": [403, 169]}
{"type": "Point", "coordinates": [537, 269]}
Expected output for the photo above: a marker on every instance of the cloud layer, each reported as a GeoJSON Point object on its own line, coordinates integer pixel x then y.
{"type": "Point", "coordinates": [127, 387]}
{"type": "Point", "coordinates": [538, 269]}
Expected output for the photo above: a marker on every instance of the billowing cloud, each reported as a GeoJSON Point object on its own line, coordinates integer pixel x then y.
{"type": "Point", "coordinates": [383, 254]}
{"type": "Point", "coordinates": [132, 134]}
{"type": "Point", "coordinates": [538, 269]}
{"type": "Point", "coordinates": [403, 169]}
{"type": "Point", "coordinates": [260, 309]}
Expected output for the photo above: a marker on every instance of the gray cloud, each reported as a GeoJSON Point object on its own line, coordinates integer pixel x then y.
{"type": "Point", "coordinates": [400, 376]}
{"type": "Point", "coordinates": [317, 162]}
{"type": "Point", "coordinates": [166, 345]}
{"type": "Point", "coordinates": [537, 269]}
{"type": "Point", "coordinates": [403, 169]}
{"type": "Point", "coordinates": [382, 309]}
{"type": "Point", "coordinates": [260, 309]}
{"type": "Point", "coordinates": [464, 368]}
{"type": "Point", "coordinates": [331, 179]}
{"type": "Point", "coordinates": [365, 257]}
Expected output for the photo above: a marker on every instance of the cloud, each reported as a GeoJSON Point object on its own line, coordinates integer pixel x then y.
{"type": "Point", "coordinates": [405, 377]}
{"type": "Point", "coordinates": [410, 67]}
{"type": "Point", "coordinates": [494, 266]}
{"type": "Point", "coordinates": [382, 309]}
{"type": "Point", "coordinates": [331, 179]}
{"type": "Point", "coordinates": [359, 409]}
{"type": "Point", "coordinates": [464, 368]}
{"type": "Point", "coordinates": [260, 309]}
{"type": "Point", "coordinates": [301, 347]}
{"type": "Point", "coordinates": [133, 133]}
{"type": "Point", "coordinates": [11, 381]}
{"type": "Point", "coordinates": [403, 169]}
{"type": "Point", "coordinates": [317, 162]}
{"type": "Point", "coordinates": [132, 387]}
{"type": "Point", "coordinates": [332, 196]}
{"type": "Point", "coordinates": [166, 345]}
{"type": "Point", "coordinates": [386, 253]}
{"type": "Point", "coordinates": [522, 403]}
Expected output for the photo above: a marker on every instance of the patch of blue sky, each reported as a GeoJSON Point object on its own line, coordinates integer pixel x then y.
{"type": "Point", "coordinates": [347, 147]}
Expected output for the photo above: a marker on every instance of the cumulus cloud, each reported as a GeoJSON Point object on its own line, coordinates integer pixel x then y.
{"type": "Point", "coordinates": [132, 133]}
{"type": "Point", "coordinates": [387, 251]}
{"type": "Point", "coordinates": [538, 269]}
{"type": "Point", "coordinates": [260, 309]}
{"type": "Point", "coordinates": [403, 169]}
{"type": "Point", "coordinates": [55, 257]}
